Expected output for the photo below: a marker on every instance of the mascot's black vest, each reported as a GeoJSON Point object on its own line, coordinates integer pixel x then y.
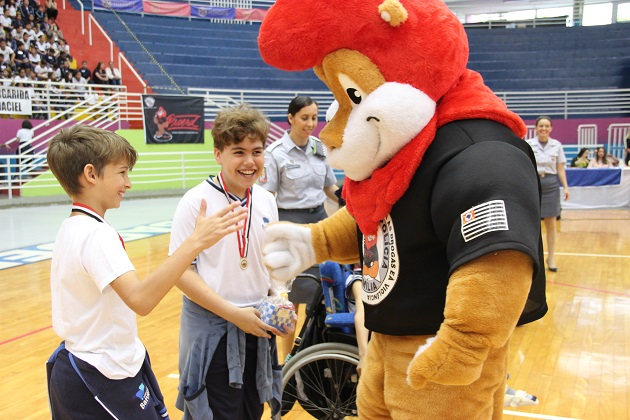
{"type": "Point", "coordinates": [420, 256]}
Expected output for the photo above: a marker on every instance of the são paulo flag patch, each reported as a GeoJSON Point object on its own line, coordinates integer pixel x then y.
{"type": "Point", "coordinates": [484, 218]}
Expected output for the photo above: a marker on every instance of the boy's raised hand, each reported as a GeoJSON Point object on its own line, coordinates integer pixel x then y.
{"type": "Point", "coordinates": [209, 230]}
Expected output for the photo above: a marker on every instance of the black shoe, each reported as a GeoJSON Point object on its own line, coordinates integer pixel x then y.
{"type": "Point", "coordinates": [552, 269]}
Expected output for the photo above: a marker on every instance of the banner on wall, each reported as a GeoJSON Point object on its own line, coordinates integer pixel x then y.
{"type": "Point", "coordinates": [208, 12]}
{"type": "Point", "coordinates": [251, 14]}
{"type": "Point", "coordinates": [168, 9]}
{"type": "Point", "coordinates": [119, 5]}
{"type": "Point", "coordinates": [15, 100]}
{"type": "Point", "coordinates": [170, 119]}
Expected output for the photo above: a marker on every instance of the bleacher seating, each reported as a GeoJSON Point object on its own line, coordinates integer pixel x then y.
{"type": "Point", "coordinates": [200, 53]}
{"type": "Point", "coordinates": [552, 58]}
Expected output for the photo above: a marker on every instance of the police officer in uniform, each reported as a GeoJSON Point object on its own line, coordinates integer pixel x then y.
{"type": "Point", "coordinates": [297, 172]}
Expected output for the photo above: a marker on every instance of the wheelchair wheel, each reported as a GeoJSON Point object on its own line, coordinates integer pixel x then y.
{"type": "Point", "coordinates": [323, 378]}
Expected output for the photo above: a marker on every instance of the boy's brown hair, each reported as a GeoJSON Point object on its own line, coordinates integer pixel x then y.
{"type": "Point", "coordinates": [73, 148]}
{"type": "Point", "coordinates": [232, 125]}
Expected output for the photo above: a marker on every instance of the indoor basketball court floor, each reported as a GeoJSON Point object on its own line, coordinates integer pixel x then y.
{"type": "Point", "coordinates": [576, 359]}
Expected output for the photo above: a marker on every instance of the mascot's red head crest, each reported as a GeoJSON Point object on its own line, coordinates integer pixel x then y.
{"type": "Point", "coordinates": [419, 42]}
{"type": "Point", "coordinates": [397, 69]}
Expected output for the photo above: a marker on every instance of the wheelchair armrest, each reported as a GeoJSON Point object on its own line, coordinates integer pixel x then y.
{"type": "Point", "coordinates": [340, 319]}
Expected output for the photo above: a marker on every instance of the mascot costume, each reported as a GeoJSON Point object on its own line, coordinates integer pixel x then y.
{"type": "Point", "coordinates": [442, 201]}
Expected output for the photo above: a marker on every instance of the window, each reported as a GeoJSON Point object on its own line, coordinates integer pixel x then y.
{"type": "Point", "coordinates": [623, 12]}
{"type": "Point", "coordinates": [597, 14]}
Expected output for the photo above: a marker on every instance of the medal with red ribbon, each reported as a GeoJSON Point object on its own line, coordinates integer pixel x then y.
{"type": "Point", "coordinates": [243, 234]}
{"type": "Point", "coordinates": [82, 208]}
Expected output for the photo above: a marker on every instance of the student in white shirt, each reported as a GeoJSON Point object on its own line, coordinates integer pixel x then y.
{"type": "Point", "coordinates": [102, 369]}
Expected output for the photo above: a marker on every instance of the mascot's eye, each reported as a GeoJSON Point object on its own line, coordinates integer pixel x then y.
{"type": "Point", "coordinates": [353, 89]}
{"type": "Point", "coordinates": [354, 95]}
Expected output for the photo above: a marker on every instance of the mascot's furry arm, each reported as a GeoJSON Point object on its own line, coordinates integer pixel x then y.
{"type": "Point", "coordinates": [456, 355]}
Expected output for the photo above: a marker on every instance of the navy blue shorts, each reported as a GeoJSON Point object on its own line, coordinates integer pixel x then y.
{"type": "Point", "coordinates": [94, 396]}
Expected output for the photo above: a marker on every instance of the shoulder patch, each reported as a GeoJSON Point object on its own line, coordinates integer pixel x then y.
{"type": "Point", "coordinates": [484, 218]}
{"type": "Point", "coordinates": [273, 145]}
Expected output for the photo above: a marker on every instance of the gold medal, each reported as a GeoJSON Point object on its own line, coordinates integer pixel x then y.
{"type": "Point", "coordinates": [243, 234]}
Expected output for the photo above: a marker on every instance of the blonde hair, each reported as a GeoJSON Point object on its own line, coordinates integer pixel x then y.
{"type": "Point", "coordinates": [232, 125]}
{"type": "Point", "coordinates": [73, 148]}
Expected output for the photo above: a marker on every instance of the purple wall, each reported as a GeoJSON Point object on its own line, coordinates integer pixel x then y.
{"type": "Point", "coordinates": [563, 130]}
{"type": "Point", "coordinates": [10, 126]}
{"type": "Point", "coordinates": [566, 130]}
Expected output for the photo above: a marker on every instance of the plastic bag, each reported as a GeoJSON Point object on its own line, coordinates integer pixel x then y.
{"type": "Point", "coordinates": [277, 310]}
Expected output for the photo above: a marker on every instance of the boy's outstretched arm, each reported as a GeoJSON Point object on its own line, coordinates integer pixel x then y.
{"type": "Point", "coordinates": [143, 295]}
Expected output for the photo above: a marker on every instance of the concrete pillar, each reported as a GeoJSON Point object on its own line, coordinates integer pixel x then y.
{"type": "Point", "coordinates": [578, 12]}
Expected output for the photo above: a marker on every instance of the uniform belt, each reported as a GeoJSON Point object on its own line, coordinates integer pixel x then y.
{"type": "Point", "coordinates": [311, 210]}
{"type": "Point", "coordinates": [541, 175]}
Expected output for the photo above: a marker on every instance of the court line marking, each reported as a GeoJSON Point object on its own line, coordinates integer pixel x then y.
{"type": "Point", "coordinates": [25, 335]}
{"type": "Point", "coordinates": [536, 416]}
{"type": "Point", "coordinates": [592, 289]}
{"type": "Point", "coordinates": [42, 252]}
{"type": "Point", "coordinates": [577, 254]}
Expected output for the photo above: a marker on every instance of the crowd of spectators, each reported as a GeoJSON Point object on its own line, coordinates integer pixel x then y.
{"type": "Point", "coordinates": [33, 49]}
{"type": "Point", "coordinates": [600, 159]}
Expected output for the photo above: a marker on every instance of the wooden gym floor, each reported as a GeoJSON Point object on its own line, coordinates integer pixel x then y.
{"type": "Point", "coordinates": [576, 359]}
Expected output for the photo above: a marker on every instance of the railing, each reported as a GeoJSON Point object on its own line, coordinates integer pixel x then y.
{"type": "Point", "coordinates": [160, 170]}
{"type": "Point", "coordinates": [121, 59]}
{"type": "Point", "coordinates": [272, 102]}
{"type": "Point", "coordinates": [107, 38]}
{"type": "Point", "coordinates": [63, 104]}
{"type": "Point", "coordinates": [568, 103]}
{"type": "Point", "coordinates": [82, 15]}
{"type": "Point", "coordinates": [563, 104]}
{"type": "Point", "coordinates": [513, 24]}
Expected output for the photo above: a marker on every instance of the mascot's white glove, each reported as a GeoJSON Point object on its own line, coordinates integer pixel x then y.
{"type": "Point", "coordinates": [289, 250]}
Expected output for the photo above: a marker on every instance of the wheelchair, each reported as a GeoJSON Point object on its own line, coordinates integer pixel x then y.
{"type": "Point", "coordinates": [320, 373]}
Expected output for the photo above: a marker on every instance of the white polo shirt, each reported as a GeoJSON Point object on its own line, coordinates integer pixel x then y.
{"type": "Point", "coordinates": [219, 265]}
{"type": "Point", "coordinates": [98, 327]}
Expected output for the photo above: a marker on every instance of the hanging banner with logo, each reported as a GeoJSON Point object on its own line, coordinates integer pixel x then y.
{"type": "Point", "coordinates": [209, 12]}
{"type": "Point", "coordinates": [15, 100]}
{"type": "Point", "coordinates": [172, 119]}
{"type": "Point", "coordinates": [164, 8]}
{"type": "Point", "coordinates": [119, 5]}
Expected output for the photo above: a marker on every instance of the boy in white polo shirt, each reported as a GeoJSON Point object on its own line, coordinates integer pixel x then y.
{"type": "Point", "coordinates": [102, 370]}
{"type": "Point", "coordinates": [227, 357]}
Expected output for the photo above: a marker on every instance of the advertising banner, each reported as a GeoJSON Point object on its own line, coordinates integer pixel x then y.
{"type": "Point", "coordinates": [172, 119]}
{"type": "Point", "coordinates": [119, 5]}
{"type": "Point", "coordinates": [213, 12]}
{"type": "Point", "coordinates": [15, 100]}
{"type": "Point", "coordinates": [168, 9]}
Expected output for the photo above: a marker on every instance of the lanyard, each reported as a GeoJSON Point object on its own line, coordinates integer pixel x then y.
{"type": "Point", "coordinates": [82, 208]}
{"type": "Point", "coordinates": [243, 234]}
